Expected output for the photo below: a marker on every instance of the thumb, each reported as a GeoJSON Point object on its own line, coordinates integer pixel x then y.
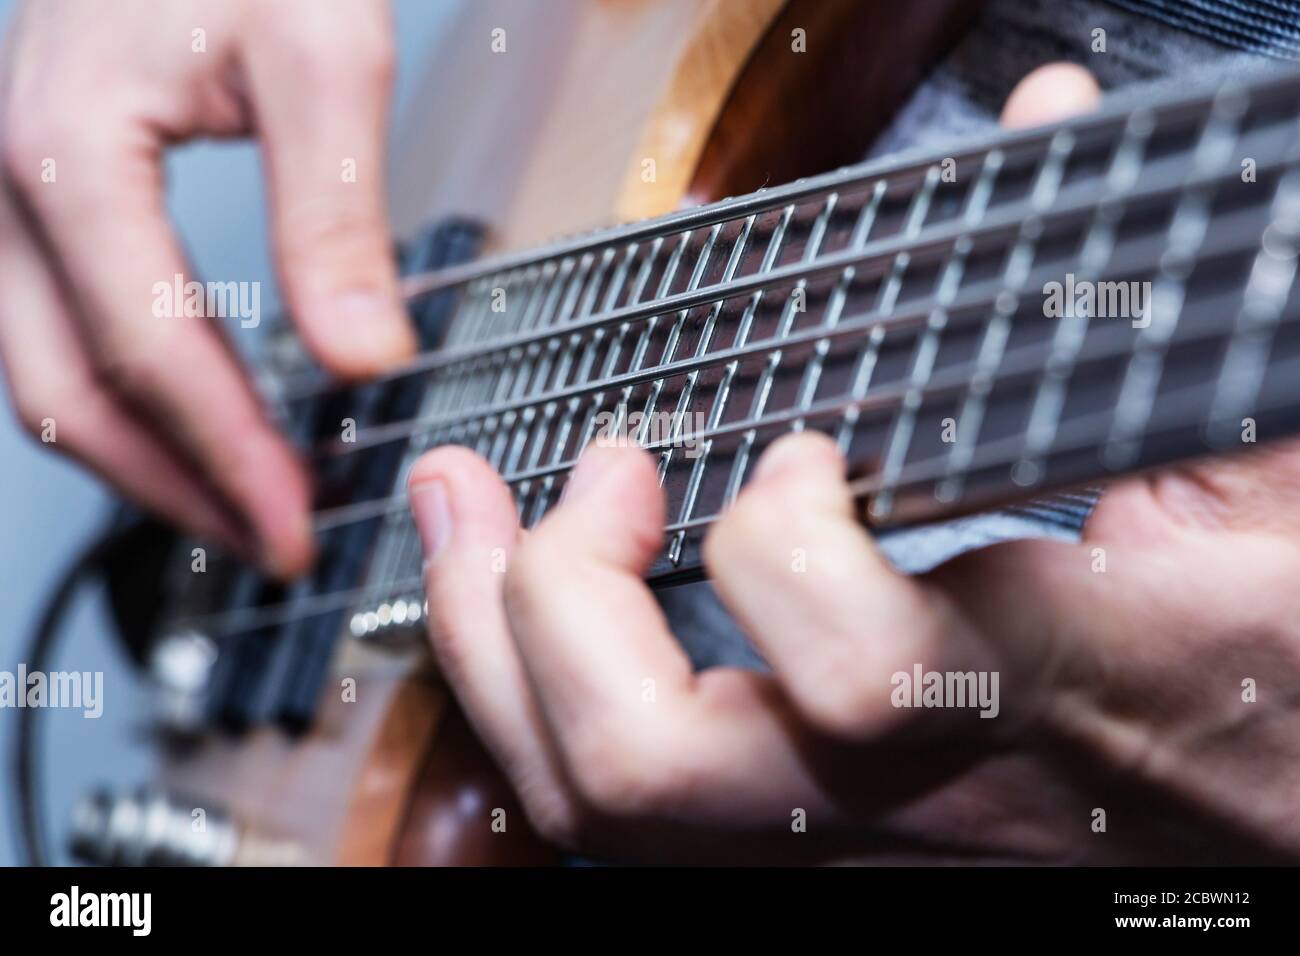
{"type": "Point", "coordinates": [320, 99]}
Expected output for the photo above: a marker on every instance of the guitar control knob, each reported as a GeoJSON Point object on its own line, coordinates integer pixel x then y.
{"type": "Point", "coordinates": [149, 828]}
{"type": "Point", "coordinates": [152, 828]}
{"type": "Point", "coordinates": [181, 667]}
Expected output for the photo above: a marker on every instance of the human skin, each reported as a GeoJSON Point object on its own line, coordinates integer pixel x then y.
{"type": "Point", "coordinates": [160, 406]}
{"type": "Point", "coordinates": [1125, 732]}
{"type": "Point", "coordinates": [1121, 690]}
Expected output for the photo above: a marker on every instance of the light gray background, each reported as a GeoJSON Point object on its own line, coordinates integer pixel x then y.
{"type": "Point", "coordinates": [49, 506]}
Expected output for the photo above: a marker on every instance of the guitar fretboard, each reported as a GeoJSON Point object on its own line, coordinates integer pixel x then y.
{"type": "Point", "coordinates": [1037, 310]}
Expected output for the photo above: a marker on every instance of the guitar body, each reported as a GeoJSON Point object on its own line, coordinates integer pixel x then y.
{"type": "Point", "coordinates": [595, 112]}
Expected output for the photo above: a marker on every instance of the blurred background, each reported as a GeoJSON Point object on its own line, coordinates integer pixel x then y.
{"type": "Point", "coordinates": [51, 507]}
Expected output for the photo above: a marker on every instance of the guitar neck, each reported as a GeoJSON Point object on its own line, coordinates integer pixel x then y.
{"type": "Point", "coordinates": [1037, 310]}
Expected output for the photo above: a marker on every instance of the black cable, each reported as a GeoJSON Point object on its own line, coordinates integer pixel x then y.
{"type": "Point", "coordinates": [32, 843]}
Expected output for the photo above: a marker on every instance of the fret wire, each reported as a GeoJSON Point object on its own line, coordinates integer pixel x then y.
{"type": "Point", "coordinates": [1271, 278]}
{"type": "Point", "coordinates": [1025, 362]}
{"type": "Point", "coordinates": [931, 242]}
{"type": "Point", "coordinates": [398, 545]}
{"type": "Point", "coordinates": [484, 321]}
{"type": "Point", "coordinates": [227, 623]}
{"type": "Point", "coordinates": [591, 353]}
{"type": "Point", "coordinates": [549, 361]}
{"type": "Point", "coordinates": [864, 364]}
{"type": "Point", "coordinates": [1264, 296]}
{"type": "Point", "coordinates": [974, 297]}
{"type": "Point", "coordinates": [538, 432]}
{"type": "Point", "coordinates": [643, 340]}
{"type": "Point", "coordinates": [543, 433]}
{"type": "Point", "coordinates": [831, 317]}
{"type": "Point", "coordinates": [927, 348]}
{"type": "Point", "coordinates": [656, 389]}
{"type": "Point", "coordinates": [1084, 431]}
{"type": "Point", "coordinates": [688, 391]}
{"type": "Point", "coordinates": [615, 350]}
{"type": "Point", "coordinates": [1072, 329]}
{"type": "Point", "coordinates": [970, 417]}
{"type": "Point", "coordinates": [675, 333]}
{"type": "Point", "coordinates": [1186, 232]}
{"type": "Point", "coordinates": [771, 255]}
{"type": "Point", "coordinates": [971, 413]}
{"type": "Point", "coordinates": [763, 386]}
{"type": "Point", "coordinates": [674, 339]}
{"type": "Point", "coordinates": [696, 477]}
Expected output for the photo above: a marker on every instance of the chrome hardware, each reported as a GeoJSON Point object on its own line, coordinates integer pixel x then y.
{"type": "Point", "coordinates": [392, 620]}
{"type": "Point", "coordinates": [150, 828]}
{"type": "Point", "coordinates": [181, 667]}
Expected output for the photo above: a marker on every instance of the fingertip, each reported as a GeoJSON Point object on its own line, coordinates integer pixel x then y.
{"type": "Point", "coordinates": [444, 461]}
{"type": "Point", "coordinates": [612, 488]}
{"type": "Point", "coordinates": [799, 451]}
{"type": "Point", "coordinates": [290, 557]}
{"type": "Point", "coordinates": [601, 464]}
{"type": "Point", "coordinates": [1053, 92]}
{"type": "Point", "coordinates": [453, 486]}
{"type": "Point", "coordinates": [358, 335]}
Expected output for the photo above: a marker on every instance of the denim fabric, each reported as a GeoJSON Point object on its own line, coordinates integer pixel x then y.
{"type": "Point", "coordinates": [1270, 27]}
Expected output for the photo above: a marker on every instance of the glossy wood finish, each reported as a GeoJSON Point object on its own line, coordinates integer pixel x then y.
{"type": "Point", "coordinates": [792, 114]}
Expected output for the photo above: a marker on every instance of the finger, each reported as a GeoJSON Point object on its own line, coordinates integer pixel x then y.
{"type": "Point", "coordinates": [640, 735]}
{"type": "Point", "coordinates": [58, 399]}
{"type": "Point", "coordinates": [117, 256]}
{"type": "Point", "coordinates": [320, 94]}
{"type": "Point", "coordinates": [1053, 92]}
{"type": "Point", "coordinates": [834, 619]}
{"type": "Point", "coordinates": [469, 531]}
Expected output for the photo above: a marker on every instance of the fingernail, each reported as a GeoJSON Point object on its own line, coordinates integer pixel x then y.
{"type": "Point", "coordinates": [432, 515]}
{"type": "Point", "coordinates": [586, 475]}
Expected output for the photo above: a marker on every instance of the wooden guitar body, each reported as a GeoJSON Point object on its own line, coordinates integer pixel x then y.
{"type": "Point", "coordinates": [541, 120]}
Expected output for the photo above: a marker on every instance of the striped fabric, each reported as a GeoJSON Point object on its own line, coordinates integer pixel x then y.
{"type": "Point", "coordinates": [1270, 27]}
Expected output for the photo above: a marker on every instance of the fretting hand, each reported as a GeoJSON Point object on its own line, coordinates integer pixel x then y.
{"type": "Point", "coordinates": [1147, 676]}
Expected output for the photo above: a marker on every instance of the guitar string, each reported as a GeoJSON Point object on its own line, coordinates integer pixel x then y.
{"type": "Point", "coordinates": [1025, 362]}
{"type": "Point", "coordinates": [913, 477]}
{"type": "Point", "coordinates": [972, 298]}
{"type": "Point", "coordinates": [1008, 218]}
{"type": "Point", "coordinates": [365, 438]}
{"type": "Point", "coordinates": [772, 200]}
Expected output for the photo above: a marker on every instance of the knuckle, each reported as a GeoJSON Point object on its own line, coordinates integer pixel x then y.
{"type": "Point", "coordinates": [376, 58]}
{"type": "Point", "coordinates": [741, 532]}
{"type": "Point", "coordinates": [621, 771]}
{"type": "Point", "coordinates": [554, 817]}
{"type": "Point", "coordinates": [25, 144]}
{"type": "Point", "coordinates": [842, 704]}
{"type": "Point", "coordinates": [31, 408]}
{"type": "Point", "coordinates": [844, 697]}
{"type": "Point", "coordinates": [37, 400]}
{"type": "Point", "coordinates": [129, 371]}
{"type": "Point", "coordinates": [339, 235]}
{"type": "Point", "coordinates": [446, 637]}
{"type": "Point", "coordinates": [335, 52]}
{"type": "Point", "coordinates": [527, 576]}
